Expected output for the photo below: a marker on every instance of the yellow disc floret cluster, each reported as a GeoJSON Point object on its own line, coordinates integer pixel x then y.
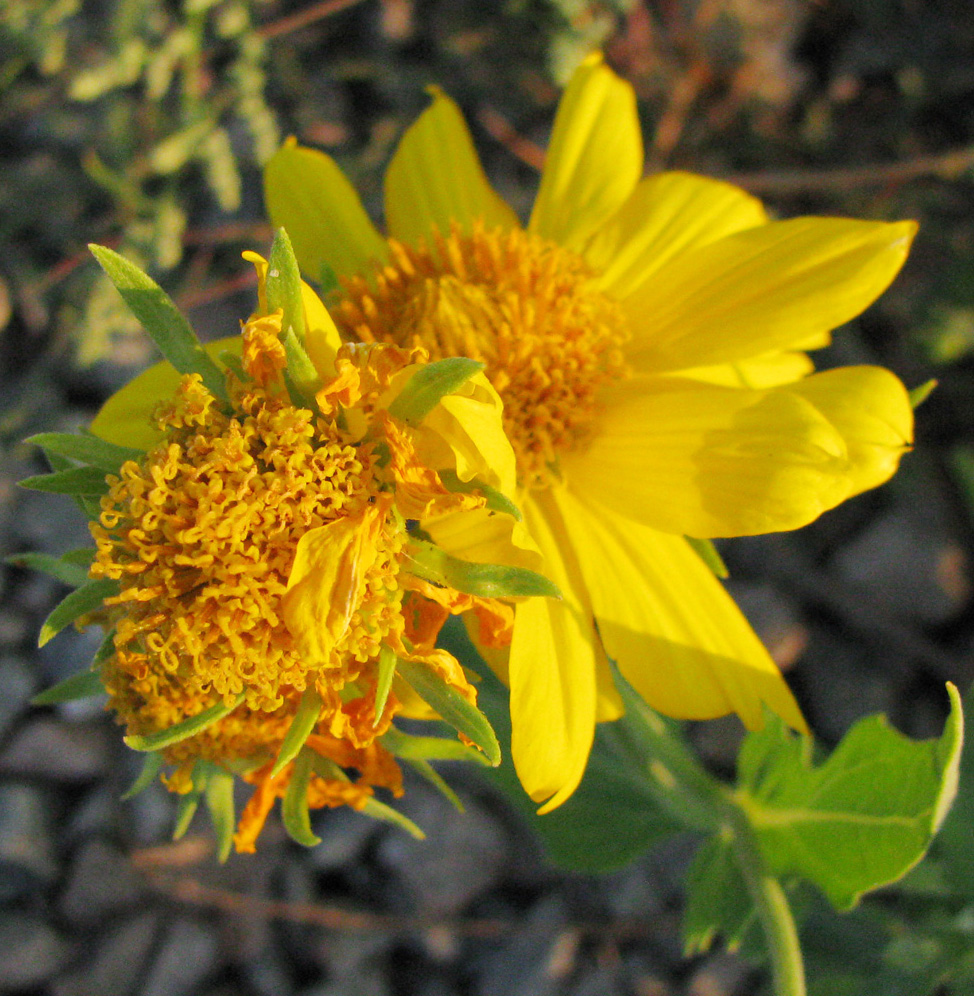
{"type": "Point", "coordinates": [526, 307]}
{"type": "Point", "coordinates": [259, 549]}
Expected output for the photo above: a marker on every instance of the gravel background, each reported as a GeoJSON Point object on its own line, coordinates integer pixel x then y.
{"type": "Point", "coordinates": [836, 107]}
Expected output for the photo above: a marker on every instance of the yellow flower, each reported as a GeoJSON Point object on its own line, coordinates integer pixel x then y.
{"type": "Point", "coordinates": [266, 565]}
{"type": "Point", "coordinates": [648, 339]}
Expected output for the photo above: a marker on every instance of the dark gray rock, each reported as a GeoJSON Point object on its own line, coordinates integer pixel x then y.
{"type": "Point", "coordinates": [100, 882]}
{"type": "Point", "coordinates": [532, 960]}
{"type": "Point", "coordinates": [344, 836]}
{"type": "Point", "coordinates": [187, 955]}
{"type": "Point", "coordinates": [462, 856]}
{"type": "Point", "coordinates": [27, 849]}
{"type": "Point", "coordinates": [50, 748]}
{"type": "Point", "coordinates": [32, 951]}
{"type": "Point", "coordinates": [721, 974]}
{"type": "Point", "coordinates": [118, 961]}
{"type": "Point", "coordinates": [19, 682]}
{"type": "Point", "coordinates": [908, 567]}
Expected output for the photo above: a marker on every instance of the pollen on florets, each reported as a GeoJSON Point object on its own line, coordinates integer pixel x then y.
{"type": "Point", "coordinates": [524, 306]}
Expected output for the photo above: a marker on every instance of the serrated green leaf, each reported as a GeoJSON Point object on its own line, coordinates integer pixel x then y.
{"type": "Point", "coordinates": [387, 671]}
{"type": "Point", "coordinates": [87, 449]}
{"type": "Point", "coordinates": [150, 769]}
{"type": "Point", "coordinates": [79, 602]}
{"type": "Point", "coordinates": [83, 685]}
{"type": "Point", "coordinates": [431, 382]}
{"type": "Point", "coordinates": [283, 287]}
{"type": "Point", "coordinates": [186, 729]}
{"type": "Point", "coordinates": [710, 555]}
{"type": "Point", "coordinates": [429, 562]}
{"type": "Point", "coordinates": [497, 501]}
{"type": "Point", "coordinates": [860, 820]}
{"type": "Point", "coordinates": [451, 706]}
{"type": "Point", "coordinates": [161, 319]}
{"type": "Point", "coordinates": [380, 811]}
{"type": "Point", "coordinates": [81, 481]}
{"type": "Point", "coordinates": [426, 770]}
{"type": "Point", "coordinates": [72, 574]}
{"type": "Point", "coordinates": [308, 711]}
{"type": "Point", "coordinates": [223, 814]}
{"type": "Point", "coordinates": [412, 748]}
{"type": "Point", "coordinates": [294, 809]}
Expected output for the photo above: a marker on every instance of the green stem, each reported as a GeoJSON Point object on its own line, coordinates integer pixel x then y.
{"type": "Point", "coordinates": [771, 904]}
{"type": "Point", "coordinates": [694, 797]}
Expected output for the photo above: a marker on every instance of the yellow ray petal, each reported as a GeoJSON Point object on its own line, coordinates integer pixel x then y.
{"type": "Point", "coordinates": [769, 288]}
{"type": "Point", "coordinates": [595, 156]}
{"type": "Point", "coordinates": [871, 409]}
{"type": "Point", "coordinates": [667, 214]}
{"type": "Point", "coordinates": [324, 586]}
{"type": "Point", "coordinates": [308, 194]}
{"type": "Point", "coordinates": [435, 178]}
{"type": "Point", "coordinates": [469, 425]}
{"type": "Point", "coordinates": [552, 673]}
{"type": "Point", "coordinates": [124, 418]}
{"type": "Point", "coordinates": [769, 370]}
{"type": "Point", "coordinates": [704, 460]}
{"type": "Point", "coordinates": [484, 537]}
{"type": "Point", "coordinates": [675, 633]}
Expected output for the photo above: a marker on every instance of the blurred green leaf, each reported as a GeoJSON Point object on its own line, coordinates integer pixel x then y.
{"type": "Point", "coordinates": [79, 602]}
{"type": "Point", "coordinates": [161, 319]}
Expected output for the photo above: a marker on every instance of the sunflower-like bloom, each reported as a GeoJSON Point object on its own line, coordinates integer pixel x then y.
{"type": "Point", "coordinates": [271, 585]}
{"type": "Point", "coordinates": [648, 339]}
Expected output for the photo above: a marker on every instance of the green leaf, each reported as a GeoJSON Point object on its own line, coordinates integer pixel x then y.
{"type": "Point", "coordinates": [223, 814]}
{"type": "Point", "coordinates": [387, 671]}
{"type": "Point", "coordinates": [82, 557]}
{"type": "Point", "coordinates": [87, 449]}
{"type": "Point", "coordinates": [284, 286]}
{"type": "Point", "coordinates": [79, 602]}
{"type": "Point", "coordinates": [710, 555]}
{"type": "Point", "coordinates": [718, 901]}
{"type": "Point", "coordinates": [83, 685]}
{"type": "Point", "coordinates": [160, 317]}
{"type": "Point", "coordinates": [380, 811]}
{"type": "Point", "coordinates": [57, 567]}
{"type": "Point", "coordinates": [309, 709]}
{"type": "Point", "coordinates": [486, 580]}
{"type": "Point", "coordinates": [860, 820]}
{"type": "Point", "coordinates": [431, 382]}
{"type": "Point", "coordinates": [187, 728]}
{"type": "Point", "coordinates": [297, 820]}
{"type": "Point", "coordinates": [451, 706]}
{"type": "Point", "coordinates": [150, 769]}
{"type": "Point", "coordinates": [609, 820]}
{"type": "Point", "coordinates": [497, 501]}
{"type": "Point", "coordinates": [81, 481]}
{"type": "Point", "coordinates": [300, 374]}
{"type": "Point", "coordinates": [411, 748]}
{"type": "Point", "coordinates": [920, 393]}
{"type": "Point", "coordinates": [426, 770]}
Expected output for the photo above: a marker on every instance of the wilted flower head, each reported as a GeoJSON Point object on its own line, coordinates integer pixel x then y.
{"type": "Point", "coordinates": [272, 603]}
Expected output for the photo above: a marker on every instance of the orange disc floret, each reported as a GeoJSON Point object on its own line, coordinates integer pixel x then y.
{"type": "Point", "coordinates": [527, 308]}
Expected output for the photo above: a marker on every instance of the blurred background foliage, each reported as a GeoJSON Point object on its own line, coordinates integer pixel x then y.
{"type": "Point", "coordinates": [142, 124]}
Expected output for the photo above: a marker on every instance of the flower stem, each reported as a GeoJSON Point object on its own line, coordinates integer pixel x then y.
{"type": "Point", "coordinates": [694, 797]}
{"type": "Point", "coordinates": [771, 905]}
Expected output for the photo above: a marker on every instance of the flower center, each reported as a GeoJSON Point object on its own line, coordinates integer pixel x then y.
{"type": "Point", "coordinates": [203, 534]}
{"type": "Point", "coordinates": [525, 307]}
